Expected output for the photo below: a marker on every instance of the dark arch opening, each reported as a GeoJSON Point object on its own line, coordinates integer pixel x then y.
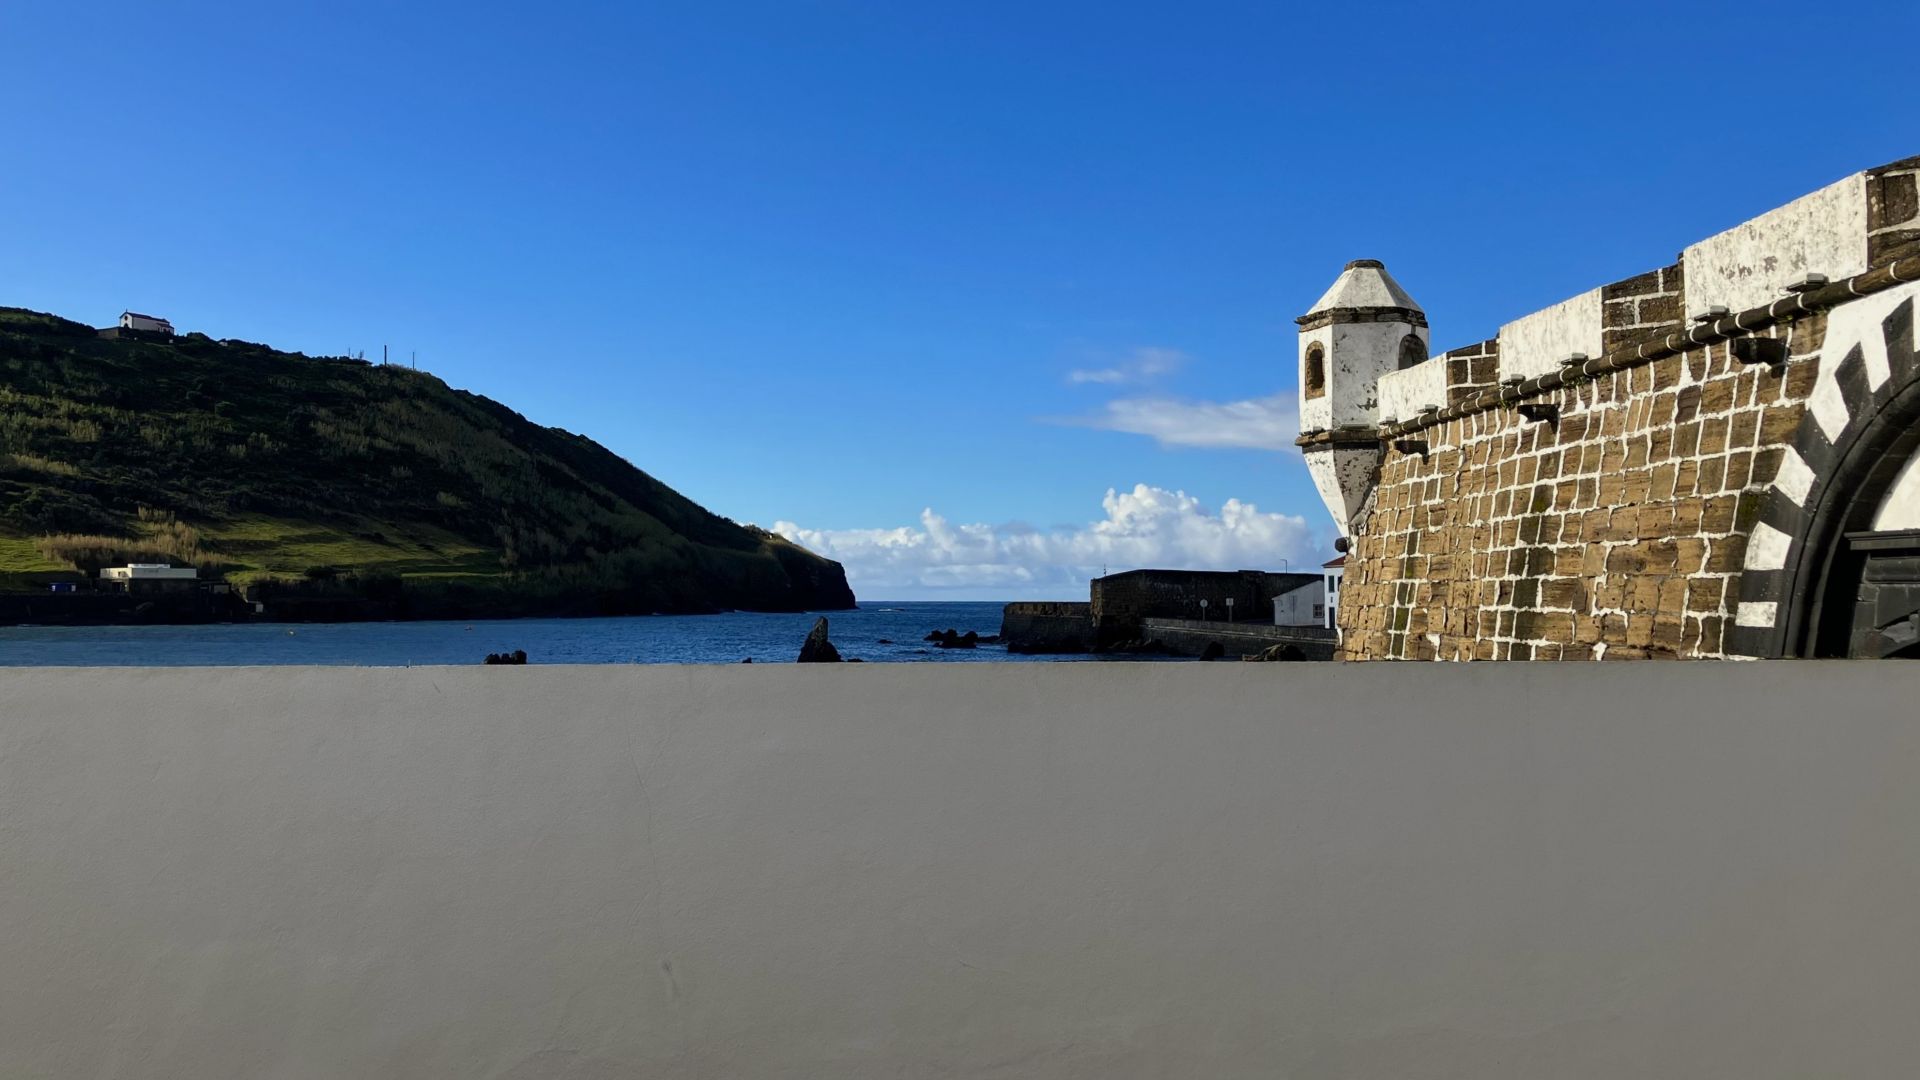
{"type": "Point", "coordinates": [1830, 604]}
{"type": "Point", "coordinates": [1316, 373]}
{"type": "Point", "coordinates": [1412, 351]}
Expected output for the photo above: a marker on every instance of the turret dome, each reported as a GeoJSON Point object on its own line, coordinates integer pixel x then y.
{"type": "Point", "coordinates": [1364, 285]}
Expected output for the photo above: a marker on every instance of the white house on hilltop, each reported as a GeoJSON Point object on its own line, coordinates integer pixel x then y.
{"type": "Point", "coordinates": [133, 320]}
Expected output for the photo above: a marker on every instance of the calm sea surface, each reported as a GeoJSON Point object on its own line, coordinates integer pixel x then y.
{"type": "Point", "coordinates": [875, 632]}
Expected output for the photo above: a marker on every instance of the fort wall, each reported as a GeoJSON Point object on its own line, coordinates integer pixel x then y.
{"type": "Point", "coordinates": [1651, 468]}
{"type": "Point", "coordinates": [1621, 525]}
{"type": "Point", "coordinates": [1120, 602]}
{"type": "Point", "coordinates": [1047, 626]}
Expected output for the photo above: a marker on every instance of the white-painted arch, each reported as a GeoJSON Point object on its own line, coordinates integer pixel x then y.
{"type": "Point", "coordinates": [1900, 509]}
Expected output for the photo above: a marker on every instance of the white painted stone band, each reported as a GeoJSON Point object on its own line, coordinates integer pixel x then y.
{"type": "Point", "coordinates": [1767, 549]}
{"type": "Point", "coordinates": [1795, 478]}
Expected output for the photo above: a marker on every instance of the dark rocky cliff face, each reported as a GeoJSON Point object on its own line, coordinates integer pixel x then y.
{"type": "Point", "coordinates": [815, 584]}
{"type": "Point", "coordinates": [344, 479]}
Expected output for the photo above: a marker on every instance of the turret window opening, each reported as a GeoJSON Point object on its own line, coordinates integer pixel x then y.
{"type": "Point", "coordinates": [1316, 374]}
{"type": "Point", "coordinates": [1412, 351]}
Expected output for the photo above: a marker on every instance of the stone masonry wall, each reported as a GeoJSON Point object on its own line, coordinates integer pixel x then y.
{"type": "Point", "coordinates": [1642, 307]}
{"type": "Point", "coordinates": [1615, 531]}
{"type": "Point", "coordinates": [1047, 626]}
{"type": "Point", "coordinates": [1474, 367]}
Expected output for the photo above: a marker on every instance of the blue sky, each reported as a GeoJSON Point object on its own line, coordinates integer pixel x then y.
{"type": "Point", "coordinates": [922, 282]}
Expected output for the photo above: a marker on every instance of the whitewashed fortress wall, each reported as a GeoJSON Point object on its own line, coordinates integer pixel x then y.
{"type": "Point", "coordinates": [1713, 458]}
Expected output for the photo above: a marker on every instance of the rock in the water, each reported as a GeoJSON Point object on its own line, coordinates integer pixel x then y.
{"type": "Point", "coordinates": [817, 649]}
{"type": "Point", "coordinates": [517, 656]}
{"type": "Point", "coordinates": [953, 639]}
{"type": "Point", "coordinates": [1213, 651]}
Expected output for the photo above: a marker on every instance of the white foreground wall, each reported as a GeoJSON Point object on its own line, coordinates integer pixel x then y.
{"type": "Point", "coordinates": [1074, 870]}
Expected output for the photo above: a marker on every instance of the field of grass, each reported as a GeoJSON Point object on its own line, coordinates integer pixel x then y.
{"type": "Point", "coordinates": [257, 547]}
{"type": "Point", "coordinates": [22, 567]}
{"type": "Point", "coordinates": [21, 555]}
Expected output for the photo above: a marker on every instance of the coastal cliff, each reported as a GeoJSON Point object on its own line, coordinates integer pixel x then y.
{"type": "Point", "coordinates": [369, 490]}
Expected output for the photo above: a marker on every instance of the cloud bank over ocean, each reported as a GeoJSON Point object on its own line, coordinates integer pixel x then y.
{"type": "Point", "coordinates": [1144, 527]}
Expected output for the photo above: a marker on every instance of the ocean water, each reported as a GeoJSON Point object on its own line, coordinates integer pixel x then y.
{"type": "Point", "coordinates": [879, 632]}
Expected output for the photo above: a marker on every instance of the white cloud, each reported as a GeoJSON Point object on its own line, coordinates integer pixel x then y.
{"type": "Point", "coordinates": [1144, 363]}
{"type": "Point", "coordinates": [1145, 527]}
{"type": "Point", "coordinates": [1268, 423]}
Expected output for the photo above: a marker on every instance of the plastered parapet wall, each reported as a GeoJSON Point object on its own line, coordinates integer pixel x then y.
{"type": "Point", "coordinates": [1616, 476]}
{"type": "Point", "coordinates": [950, 870]}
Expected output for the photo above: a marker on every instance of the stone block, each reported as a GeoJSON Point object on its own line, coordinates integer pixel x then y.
{"type": "Point", "coordinates": [1656, 522]}
{"type": "Point", "coordinates": [1892, 200]}
{"type": "Point", "coordinates": [1626, 560]}
{"type": "Point", "coordinates": [1712, 473]}
{"type": "Point", "coordinates": [1739, 469]}
{"type": "Point", "coordinates": [1716, 397]}
{"type": "Point", "coordinates": [1743, 428]}
{"type": "Point", "coordinates": [1661, 487]}
{"type": "Point", "coordinates": [1716, 515]}
{"type": "Point", "coordinates": [1660, 556]}
{"type": "Point", "coordinates": [1778, 424]}
{"type": "Point", "coordinates": [1713, 436]}
{"type": "Point", "coordinates": [1705, 594]}
{"type": "Point", "coordinates": [1689, 553]}
{"type": "Point", "coordinates": [1673, 595]}
{"type": "Point", "coordinates": [1686, 478]}
{"type": "Point", "coordinates": [1664, 310]}
{"type": "Point", "coordinates": [1726, 555]}
{"type": "Point", "coordinates": [1637, 285]}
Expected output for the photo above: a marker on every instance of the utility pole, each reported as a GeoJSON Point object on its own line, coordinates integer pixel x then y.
{"type": "Point", "coordinates": [383, 356]}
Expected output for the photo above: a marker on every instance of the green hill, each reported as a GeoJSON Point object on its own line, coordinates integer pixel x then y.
{"type": "Point", "coordinates": [333, 476]}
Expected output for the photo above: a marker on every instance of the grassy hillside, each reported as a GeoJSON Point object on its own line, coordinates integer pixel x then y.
{"type": "Point", "coordinates": [337, 474]}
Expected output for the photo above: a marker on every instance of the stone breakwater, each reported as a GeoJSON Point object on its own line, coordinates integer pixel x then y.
{"type": "Point", "coordinates": [1047, 627]}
